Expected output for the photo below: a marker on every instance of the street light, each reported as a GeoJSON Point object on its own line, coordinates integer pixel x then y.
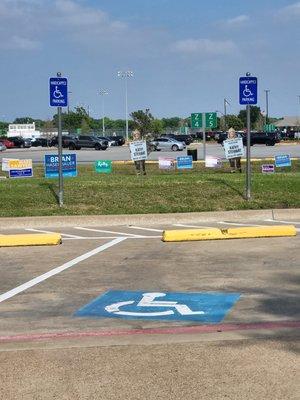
{"type": "Point", "coordinates": [125, 75]}
{"type": "Point", "coordinates": [226, 102]}
{"type": "Point", "coordinates": [103, 92]}
{"type": "Point", "coordinates": [267, 91]}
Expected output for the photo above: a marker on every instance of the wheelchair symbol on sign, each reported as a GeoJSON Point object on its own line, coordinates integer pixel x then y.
{"type": "Point", "coordinates": [247, 92]}
{"type": "Point", "coordinates": [57, 94]}
{"type": "Point", "coordinates": [148, 300]}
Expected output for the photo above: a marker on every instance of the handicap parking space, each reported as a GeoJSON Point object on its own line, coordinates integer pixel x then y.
{"type": "Point", "coordinates": [103, 277]}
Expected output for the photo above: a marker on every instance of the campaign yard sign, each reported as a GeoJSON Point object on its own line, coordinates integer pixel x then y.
{"type": "Point", "coordinates": [185, 162]}
{"type": "Point", "coordinates": [213, 162]}
{"type": "Point", "coordinates": [233, 148]}
{"type": "Point", "coordinates": [283, 160]}
{"type": "Point", "coordinates": [20, 168]}
{"type": "Point", "coordinates": [138, 150]}
{"type": "Point", "coordinates": [69, 165]}
{"type": "Point", "coordinates": [268, 168]}
{"type": "Point", "coordinates": [103, 166]}
{"type": "Point", "coordinates": [166, 163]}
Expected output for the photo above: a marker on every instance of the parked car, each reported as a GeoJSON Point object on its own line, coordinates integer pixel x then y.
{"type": "Point", "coordinates": [2, 147]}
{"type": "Point", "coordinates": [43, 142]}
{"type": "Point", "coordinates": [266, 138]}
{"type": "Point", "coordinates": [88, 141]}
{"type": "Point", "coordinates": [119, 140]}
{"type": "Point", "coordinates": [208, 135]}
{"type": "Point", "coordinates": [110, 142]}
{"type": "Point", "coordinates": [167, 144]}
{"type": "Point", "coordinates": [20, 142]}
{"type": "Point", "coordinates": [66, 139]}
{"type": "Point", "coordinates": [7, 143]}
{"type": "Point", "coordinates": [187, 139]}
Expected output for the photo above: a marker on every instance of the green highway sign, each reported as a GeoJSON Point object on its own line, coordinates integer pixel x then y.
{"type": "Point", "coordinates": [269, 128]}
{"type": "Point", "coordinates": [211, 120]}
{"type": "Point", "coordinates": [196, 120]}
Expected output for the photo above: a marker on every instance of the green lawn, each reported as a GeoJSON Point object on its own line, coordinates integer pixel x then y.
{"type": "Point", "coordinates": [122, 192]}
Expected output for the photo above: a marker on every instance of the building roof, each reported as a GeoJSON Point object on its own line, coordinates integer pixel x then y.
{"type": "Point", "coordinates": [288, 122]}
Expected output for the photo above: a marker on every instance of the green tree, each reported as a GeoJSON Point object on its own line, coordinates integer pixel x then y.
{"type": "Point", "coordinates": [157, 127]}
{"type": "Point", "coordinates": [254, 115]}
{"type": "Point", "coordinates": [142, 121]}
{"type": "Point", "coordinates": [85, 128]}
{"type": "Point", "coordinates": [172, 123]}
{"type": "Point", "coordinates": [23, 120]}
{"type": "Point", "coordinates": [232, 121]}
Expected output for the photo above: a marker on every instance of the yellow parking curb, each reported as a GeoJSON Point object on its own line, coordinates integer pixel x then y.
{"type": "Point", "coordinates": [231, 233]}
{"type": "Point", "coordinates": [45, 239]}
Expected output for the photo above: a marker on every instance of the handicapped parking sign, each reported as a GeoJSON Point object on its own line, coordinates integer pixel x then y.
{"type": "Point", "coordinates": [201, 307]}
{"type": "Point", "coordinates": [58, 91]}
{"type": "Point", "coordinates": [248, 90]}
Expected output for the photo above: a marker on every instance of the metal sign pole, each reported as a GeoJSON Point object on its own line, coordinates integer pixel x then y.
{"type": "Point", "coordinates": [248, 170]}
{"type": "Point", "coordinates": [60, 171]}
{"type": "Point", "coordinates": [204, 136]}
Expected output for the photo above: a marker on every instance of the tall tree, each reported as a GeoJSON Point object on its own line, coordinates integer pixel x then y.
{"type": "Point", "coordinates": [142, 121]}
{"type": "Point", "coordinates": [254, 115]}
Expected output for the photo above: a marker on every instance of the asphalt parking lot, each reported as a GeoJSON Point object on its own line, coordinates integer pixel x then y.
{"type": "Point", "coordinates": [54, 316]}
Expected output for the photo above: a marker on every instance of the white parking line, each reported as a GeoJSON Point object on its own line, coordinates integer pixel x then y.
{"type": "Point", "coordinates": [63, 234]}
{"type": "Point", "coordinates": [105, 231]}
{"type": "Point", "coordinates": [237, 224]}
{"type": "Point", "coordinates": [58, 270]}
{"type": "Point", "coordinates": [194, 226]}
{"type": "Point", "coordinates": [145, 229]}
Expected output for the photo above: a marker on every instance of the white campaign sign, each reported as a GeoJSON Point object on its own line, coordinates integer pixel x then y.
{"type": "Point", "coordinates": [233, 148]}
{"type": "Point", "coordinates": [213, 162]}
{"type": "Point", "coordinates": [138, 150]}
{"type": "Point", "coordinates": [5, 163]}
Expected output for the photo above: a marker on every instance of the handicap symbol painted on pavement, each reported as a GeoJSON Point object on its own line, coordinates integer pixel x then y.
{"type": "Point", "coordinates": [201, 307]}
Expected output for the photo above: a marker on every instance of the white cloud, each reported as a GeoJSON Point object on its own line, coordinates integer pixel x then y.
{"type": "Point", "coordinates": [20, 43]}
{"type": "Point", "coordinates": [238, 21]}
{"type": "Point", "coordinates": [290, 12]}
{"type": "Point", "coordinates": [206, 47]}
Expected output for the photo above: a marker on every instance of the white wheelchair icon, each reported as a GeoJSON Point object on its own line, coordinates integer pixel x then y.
{"type": "Point", "coordinates": [57, 94]}
{"type": "Point", "coordinates": [148, 300]}
{"type": "Point", "coordinates": [247, 92]}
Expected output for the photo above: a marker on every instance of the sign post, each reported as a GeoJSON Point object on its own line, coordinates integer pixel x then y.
{"type": "Point", "coordinates": [58, 88]}
{"type": "Point", "coordinates": [204, 120]}
{"type": "Point", "coordinates": [248, 97]}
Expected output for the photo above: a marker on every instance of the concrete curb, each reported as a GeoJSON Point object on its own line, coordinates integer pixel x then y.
{"type": "Point", "coordinates": [48, 239]}
{"type": "Point", "coordinates": [148, 219]}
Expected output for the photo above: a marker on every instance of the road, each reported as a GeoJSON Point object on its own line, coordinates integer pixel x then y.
{"type": "Point", "coordinates": [122, 153]}
{"type": "Point", "coordinates": [49, 351]}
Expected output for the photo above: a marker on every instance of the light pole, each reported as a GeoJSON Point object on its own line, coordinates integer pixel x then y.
{"type": "Point", "coordinates": [69, 101]}
{"type": "Point", "coordinates": [125, 75]}
{"type": "Point", "coordinates": [225, 113]}
{"type": "Point", "coordinates": [103, 92]}
{"type": "Point", "coordinates": [267, 91]}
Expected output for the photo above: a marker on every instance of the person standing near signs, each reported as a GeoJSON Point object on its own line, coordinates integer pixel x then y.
{"type": "Point", "coordinates": [235, 163]}
{"type": "Point", "coordinates": [140, 166]}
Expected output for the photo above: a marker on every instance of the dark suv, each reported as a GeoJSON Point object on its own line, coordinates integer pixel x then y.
{"type": "Point", "coordinates": [66, 139]}
{"type": "Point", "coordinates": [267, 138]}
{"type": "Point", "coordinates": [92, 142]}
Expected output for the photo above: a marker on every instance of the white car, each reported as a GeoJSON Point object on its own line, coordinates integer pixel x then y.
{"type": "Point", "coordinates": [167, 144]}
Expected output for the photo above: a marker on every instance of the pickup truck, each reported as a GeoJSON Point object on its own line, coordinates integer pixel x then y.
{"type": "Point", "coordinates": [92, 142]}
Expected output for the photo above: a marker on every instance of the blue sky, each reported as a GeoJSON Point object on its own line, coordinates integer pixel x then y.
{"type": "Point", "coordinates": [187, 55]}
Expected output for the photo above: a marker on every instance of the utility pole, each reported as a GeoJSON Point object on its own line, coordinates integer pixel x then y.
{"type": "Point", "coordinates": [267, 91]}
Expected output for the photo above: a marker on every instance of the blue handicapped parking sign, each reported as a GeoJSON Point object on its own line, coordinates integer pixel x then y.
{"type": "Point", "coordinates": [201, 307]}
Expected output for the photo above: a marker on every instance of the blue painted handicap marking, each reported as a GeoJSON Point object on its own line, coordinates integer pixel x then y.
{"type": "Point", "coordinates": [201, 307]}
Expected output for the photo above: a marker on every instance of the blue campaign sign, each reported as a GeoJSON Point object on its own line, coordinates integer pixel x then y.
{"type": "Point", "coordinates": [58, 90]}
{"type": "Point", "coordinates": [185, 162]}
{"type": "Point", "coordinates": [200, 307]}
{"type": "Point", "coordinates": [69, 165]}
{"type": "Point", "coordinates": [283, 160]}
{"type": "Point", "coordinates": [21, 173]}
{"type": "Point", "coordinates": [248, 90]}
